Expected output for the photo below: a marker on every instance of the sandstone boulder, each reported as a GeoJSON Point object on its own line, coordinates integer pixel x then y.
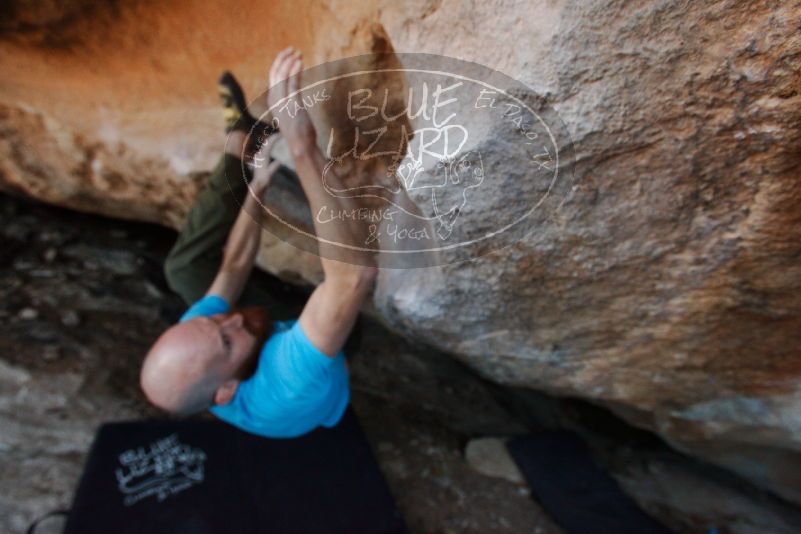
{"type": "Point", "coordinates": [667, 284]}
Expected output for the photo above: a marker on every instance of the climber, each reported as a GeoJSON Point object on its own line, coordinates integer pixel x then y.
{"type": "Point", "coordinates": [272, 378]}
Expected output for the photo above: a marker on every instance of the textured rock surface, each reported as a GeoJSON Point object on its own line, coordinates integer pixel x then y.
{"type": "Point", "coordinates": [668, 287]}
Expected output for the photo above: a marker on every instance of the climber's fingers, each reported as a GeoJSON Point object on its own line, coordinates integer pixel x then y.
{"type": "Point", "coordinates": [293, 78]}
{"type": "Point", "coordinates": [279, 61]}
{"type": "Point", "coordinates": [282, 71]}
{"type": "Point", "coordinates": [287, 68]}
{"type": "Point", "coordinates": [278, 75]}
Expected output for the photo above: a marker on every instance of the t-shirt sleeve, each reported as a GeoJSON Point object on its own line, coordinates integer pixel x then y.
{"type": "Point", "coordinates": [296, 388]}
{"type": "Point", "coordinates": [208, 305]}
{"type": "Point", "coordinates": [300, 361]}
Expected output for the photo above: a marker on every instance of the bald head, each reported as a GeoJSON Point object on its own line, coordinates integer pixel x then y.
{"type": "Point", "coordinates": [179, 374]}
{"type": "Point", "coordinates": [200, 362]}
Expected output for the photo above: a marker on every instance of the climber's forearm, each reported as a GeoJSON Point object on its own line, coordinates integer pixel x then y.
{"type": "Point", "coordinates": [243, 241]}
{"type": "Point", "coordinates": [310, 162]}
{"type": "Point", "coordinates": [314, 175]}
{"type": "Point", "coordinates": [240, 252]}
{"type": "Point", "coordinates": [310, 167]}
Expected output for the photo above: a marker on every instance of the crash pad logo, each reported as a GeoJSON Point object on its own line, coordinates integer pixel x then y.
{"type": "Point", "coordinates": [430, 160]}
{"type": "Point", "coordinates": [163, 468]}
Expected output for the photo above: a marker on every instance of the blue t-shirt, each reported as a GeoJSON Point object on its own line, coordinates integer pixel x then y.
{"type": "Point", "coordinates": [295, 388]}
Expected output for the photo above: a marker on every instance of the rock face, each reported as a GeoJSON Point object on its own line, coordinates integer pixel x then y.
{"type": "Point", "coordinates": [668, 286]}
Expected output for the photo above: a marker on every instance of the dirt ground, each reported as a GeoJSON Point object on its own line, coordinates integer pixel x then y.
{"type": "Point", "coordinates": [82, 297]}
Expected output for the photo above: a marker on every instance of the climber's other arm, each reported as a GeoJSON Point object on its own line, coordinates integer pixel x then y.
{"type": "Point", "coordinates": [243, 240]}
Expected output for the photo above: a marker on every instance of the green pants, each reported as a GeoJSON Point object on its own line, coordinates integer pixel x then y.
{"type": "Point", "coordinates": [196, 256]}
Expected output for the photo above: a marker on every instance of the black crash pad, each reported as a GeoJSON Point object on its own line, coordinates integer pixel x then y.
{"type": "Point", "coordinates": [204, 476]}
{"type": "Point", "coordinates": [580, 496]}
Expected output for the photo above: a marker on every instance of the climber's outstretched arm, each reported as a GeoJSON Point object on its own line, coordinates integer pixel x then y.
{"type": "Point", "coordinates": [332, 309]}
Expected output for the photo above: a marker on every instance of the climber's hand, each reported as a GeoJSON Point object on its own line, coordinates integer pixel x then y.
{"type": "Point", "coordinates": [283, 100]}
{"type": "Point", "coordinates": [281, 68]}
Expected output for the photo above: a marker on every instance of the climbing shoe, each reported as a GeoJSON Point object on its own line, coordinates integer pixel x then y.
{"type": "Point", "coordinates": [235, 110]}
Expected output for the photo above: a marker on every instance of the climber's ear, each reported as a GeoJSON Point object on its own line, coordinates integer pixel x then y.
{"type": "Point", "coordinates": [232, 322]}
{"type": "Point", "coordinates": [225, 393]}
